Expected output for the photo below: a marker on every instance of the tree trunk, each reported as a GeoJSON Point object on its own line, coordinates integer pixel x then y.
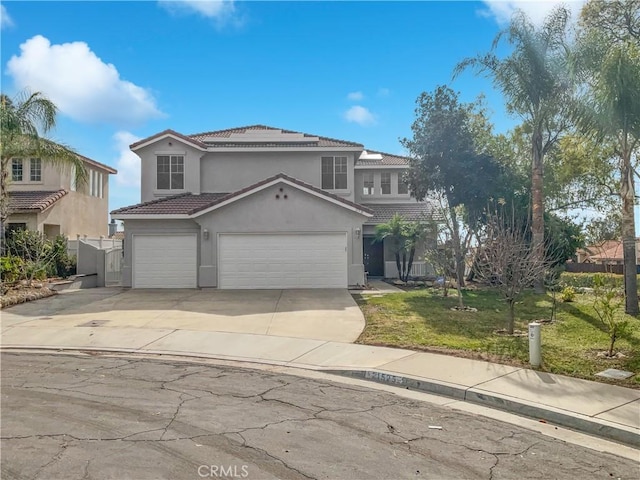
{"type": "Point", "coordinates": [398, 266]}
{"type": "Point", "coordinates": [613, 342]}
{"type": "Point", "coordinates": [511, 320]}
{"type": "Point", "coordinates": [627, 193]}
{"type": "Point", "coordinates": [412, 253]}
{"type": "Point", "coordinates": [537, 203]}
{"type": "Point", "coordinates": [457, 248]}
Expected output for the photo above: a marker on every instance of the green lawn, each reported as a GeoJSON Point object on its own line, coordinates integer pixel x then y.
{"type": "Point", "coordinates": [422, 320]}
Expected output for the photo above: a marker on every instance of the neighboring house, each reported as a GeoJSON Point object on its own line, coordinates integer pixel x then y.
{"type": "Point", "coordinates": [261, 207]}
{"type": "Point", "coordinates": [44, 198]}
{"type": "Point", "coordinates": [609, 252]}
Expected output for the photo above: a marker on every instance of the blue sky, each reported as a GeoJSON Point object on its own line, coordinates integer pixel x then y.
{"type": "Point", "coordinates": [120, 71]}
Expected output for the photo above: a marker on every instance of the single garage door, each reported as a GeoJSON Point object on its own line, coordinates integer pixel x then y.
{"type": "Point", "coordinates": [165, 261]}
{"type": "Point", "coordinates": [316, 260]}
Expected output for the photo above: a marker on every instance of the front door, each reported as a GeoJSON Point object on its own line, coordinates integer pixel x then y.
{"type": "Point", "coordinates": [373, 257]}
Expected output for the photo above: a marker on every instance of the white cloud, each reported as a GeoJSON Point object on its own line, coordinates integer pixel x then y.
{"type": "Point", "coordinates": [5, 18]}
{"type": "Point", "coordinates": [128, 163]}
{"type": "Point", "coordinates": [219, 10]}
{"type": "Point", "coordinates": [537, 10]}
{"type": "Point", "coordinates": [383, 92]}
{"type": "Point", "coordinates": [360, 115]}
{"type": "Point", "coordinates": [355, 96]}
{"type": "Point", "coordinates": [80, 83]}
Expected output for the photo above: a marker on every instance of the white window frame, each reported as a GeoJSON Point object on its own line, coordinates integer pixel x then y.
{"type": "Point", "coordinates": [382, 183]}
{"type": "Point", "coordinates": [171, 172]}
{"type": "Point", "coordinates": [335, 173]}
{"type": "Point", "coordinates": [368, 190]}
{"type": "Point", "coordinates": [73, 186]}
{"type": "Point", "coordinates": [14, 163]}
{"type": "Point", "coordinates": [403, 184]}
{"type": "Point", "coordinates": [33, 162]}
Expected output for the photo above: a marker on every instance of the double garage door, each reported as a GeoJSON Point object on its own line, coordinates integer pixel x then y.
{"type": "Point", "coordinates": [245, 261]}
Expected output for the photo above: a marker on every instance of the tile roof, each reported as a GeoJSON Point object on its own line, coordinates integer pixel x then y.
{"type": "Point", "coordinates": [189, 204]}
{"type": "Point", "coordinates": [34, 201]}
{"type": "Point", "coordinates": [321, 142]}
{"type": "Point", "coordinates": [382, 213]}
{"type": "Point", "coordinates": [387, 159]}
{"type": "Point", "coordinates": [168, 132]}
{"type": "Point", "coordinates": [183, 204]}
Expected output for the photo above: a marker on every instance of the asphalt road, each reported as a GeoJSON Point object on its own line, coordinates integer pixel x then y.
{"type": "Point", "coordinates": [99, 417]}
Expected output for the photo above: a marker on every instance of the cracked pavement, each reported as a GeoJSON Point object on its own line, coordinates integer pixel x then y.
{"type": "Point", "coordinates": [109, 417]}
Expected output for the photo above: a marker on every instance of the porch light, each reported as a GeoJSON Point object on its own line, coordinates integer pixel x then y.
{"type": "Point", "coordinates": [357, 232]}
{"type": "Point", "coordinates": [205, 234]}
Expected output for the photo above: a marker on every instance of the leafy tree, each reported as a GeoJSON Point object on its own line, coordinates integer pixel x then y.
{"type": "Point", "coordinates": [606, 61]}
{"type": "Point", "coordinates": [403, 237]}
{"type": "Point", "coordinates": [447, 159]}
{"type": "Point", "coordinates": [23, 122]}
{"type": "Point", "coordinates": [534, 83]}
{"type": "Point", "coordinates": [607, 304]}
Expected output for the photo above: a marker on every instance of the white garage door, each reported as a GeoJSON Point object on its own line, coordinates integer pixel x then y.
{"type": "Point", "coordinates": [164, 261]}
{"type": "Point", "coordinates": [283, 261]}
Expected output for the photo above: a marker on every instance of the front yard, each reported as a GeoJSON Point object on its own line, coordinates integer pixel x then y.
{"type": "Point", "coordinates": [423, 320]}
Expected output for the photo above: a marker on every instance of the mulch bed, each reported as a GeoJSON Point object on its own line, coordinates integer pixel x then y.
{"type": "Point", "coordinates": [22, 294]}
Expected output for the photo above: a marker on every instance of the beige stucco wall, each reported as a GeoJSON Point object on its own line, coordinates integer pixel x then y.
{"type": "Point", "coordinates": [77, 213]}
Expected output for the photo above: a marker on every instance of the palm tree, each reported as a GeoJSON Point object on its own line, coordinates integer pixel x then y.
{"type": "Point", "coordinates": [403, 237]}
{"type": "Point", "coordinates": [23, 122]}
{"type": "Point", "coordinates": [533, 79]}
{"type": "Point", "coordinates": [607, 63]}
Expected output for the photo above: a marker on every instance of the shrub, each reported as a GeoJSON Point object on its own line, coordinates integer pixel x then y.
{"type": "Point", "coordinates": [607, 305]}
{"type": "Point", "coordinates": [11, 269]}
{"type": "Point", "coordinates": [64, 264]}
{"type": "Point", "coordinates": [568, 294]}
{"type": "Point", "coordinates": [577, 280]}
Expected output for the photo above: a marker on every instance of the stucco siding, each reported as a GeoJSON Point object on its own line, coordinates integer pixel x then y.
{"type": "Point", "coordinates": [231, 171]}
{"type": "Point", "coordinates": [261, 212]}
{"type": "Point", "coordinates": [148, 166]}
{"type": "Point", "coordinates": [377, 197]}
{"type": "Point", "coordinates": [149, 227]}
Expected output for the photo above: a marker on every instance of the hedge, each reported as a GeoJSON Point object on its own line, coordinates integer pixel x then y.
{"type": "Point", "coordinates": [586, 279]}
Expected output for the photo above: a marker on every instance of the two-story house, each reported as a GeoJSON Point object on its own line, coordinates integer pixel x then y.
{"type": "Point", "coordinates": [45, 198]}
{"type": "Point", "coordinates": [260, 207]}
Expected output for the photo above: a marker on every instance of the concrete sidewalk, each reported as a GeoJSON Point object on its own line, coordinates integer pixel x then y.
{"type": "Point", "coordinates": [604, 410]}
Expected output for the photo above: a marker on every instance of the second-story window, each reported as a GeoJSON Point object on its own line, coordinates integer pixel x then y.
{"type": "Point", "coordinates": [35, 170]}
{"type": "Point", "coordinates": [367, 186]}
{"type": "Point", "coordinates": [334, 173]}
{"type": "Point", "coordinates": [170, 172]}
{"type": "Point", "coordinates": [16, 170]}
{"type": "Point", "coordinates": [385, 183]}
{"type": "Point", "coordinates": [95, 184]}
{"type": "Point", "coordinates": [403, 186]}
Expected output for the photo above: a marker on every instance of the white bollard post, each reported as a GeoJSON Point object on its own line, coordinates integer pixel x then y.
{"type": "Point", "coordinates": [535, 354]}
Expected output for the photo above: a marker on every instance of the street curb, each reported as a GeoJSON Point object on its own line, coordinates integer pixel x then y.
{"type": "Point", "coordinates": [544, 413]}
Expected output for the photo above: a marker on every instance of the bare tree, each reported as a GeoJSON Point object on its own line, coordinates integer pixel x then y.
{"type": "Point", "coordinates": [507, 260]}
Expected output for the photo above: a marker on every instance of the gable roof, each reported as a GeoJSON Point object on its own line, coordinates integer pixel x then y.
{"type": "Point", "coordinates": [98, 164]}
{"type": "Point", "coordinates": [232, 138]}
{"type": "Point", "coordinates": [188, 205]}
{"type": "Point", "coordinates": [34, 201]}
{"type": "Point", "coordinates": [382, 213]}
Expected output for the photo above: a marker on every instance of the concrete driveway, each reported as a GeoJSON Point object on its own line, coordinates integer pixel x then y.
{"type": "Point", "coordinates": [321, 314]}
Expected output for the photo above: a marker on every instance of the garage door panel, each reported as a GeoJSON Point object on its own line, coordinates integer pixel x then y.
{"type": "Point", "coordinates": [165, 261]}
{"type": "Point", "coordinates": [283, 261]}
